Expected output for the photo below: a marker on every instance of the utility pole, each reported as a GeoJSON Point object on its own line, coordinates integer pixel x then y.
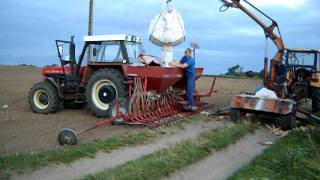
{"type": "Point", "coordinates": [90, 27]}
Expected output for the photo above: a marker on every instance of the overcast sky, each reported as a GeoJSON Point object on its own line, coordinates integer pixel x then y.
{"type": "Point", "coordinates": [28, 28]}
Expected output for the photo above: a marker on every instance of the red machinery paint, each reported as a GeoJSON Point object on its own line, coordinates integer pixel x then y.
{"type": "Point", "coordinates": [252, 103]}
{"type": "Point", "coordinates": [159, 78]}
{"type": "Point", "coordinates": [152, 79]}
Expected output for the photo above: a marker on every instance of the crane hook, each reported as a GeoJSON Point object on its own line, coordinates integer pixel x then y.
{"type": "Point", "coordinates": [225, 6]}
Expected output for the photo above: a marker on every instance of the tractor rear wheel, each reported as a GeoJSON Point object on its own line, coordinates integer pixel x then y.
{"type": "Point", "coordinates": [105, 86]}
{"type": "Point", "coordinates": [237, 115]}
{"type": "Point", "coordinates": [316, 100]}
{"type": "Point", "coordinates": [43, 98]}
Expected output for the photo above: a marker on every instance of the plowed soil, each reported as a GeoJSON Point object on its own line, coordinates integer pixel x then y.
{"type": "Point", "coordinates": [22, 130]}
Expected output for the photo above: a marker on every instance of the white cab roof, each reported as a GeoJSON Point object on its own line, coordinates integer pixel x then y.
{"type": "Point", "coordinates": [112, 37]}
{"type": "Point", "coordinates": [302, 49]}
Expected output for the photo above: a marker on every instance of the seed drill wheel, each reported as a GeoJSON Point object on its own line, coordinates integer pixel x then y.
{"type": "Point", "coordinates": [104, 87]}
{"type": "Point", "coordinates": [68, 137]}
{"type": "Point", "coordinates": [43, 98]}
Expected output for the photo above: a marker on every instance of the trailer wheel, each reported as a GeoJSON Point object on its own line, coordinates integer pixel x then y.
{"type": "Point", "coordinates": [68, 137]}
{"type": "Point", "coordinates": [103, 87]}
{"type": "Point", "coordinates": [43, 98]}
{"type": "Point", "coordinates": [288, 122]}
{"type": "Point", "coordinates": [237, 115]}
{"type": "Point", "coordinates": [316, 99]}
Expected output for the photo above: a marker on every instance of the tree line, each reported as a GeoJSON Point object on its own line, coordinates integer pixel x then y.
{"type": "Point", "coordinates": [237, 70]}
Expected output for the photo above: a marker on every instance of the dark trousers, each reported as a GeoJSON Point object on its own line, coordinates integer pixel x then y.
{"type": "Point", "coordinates": [190, 81]}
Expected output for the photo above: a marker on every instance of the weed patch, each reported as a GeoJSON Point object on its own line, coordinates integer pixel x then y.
{"type": "Point", "coordinates": [296, 156]}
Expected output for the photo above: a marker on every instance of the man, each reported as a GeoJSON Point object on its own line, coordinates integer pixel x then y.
{"type": "Point", "coordinates": [187, 63]}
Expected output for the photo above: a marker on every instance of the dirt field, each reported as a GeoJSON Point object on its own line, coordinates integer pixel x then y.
{"type": "Point", "coordinates": [23, 130]}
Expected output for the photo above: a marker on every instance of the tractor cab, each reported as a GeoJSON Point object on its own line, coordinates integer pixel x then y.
{"type": "Point", "coordinates": [114, 48]}
{"type": "Point", "coordinates": [101, 49]}
{"type": "Point", "coordinates": [303, 62]}
{"type": "Point", "coordinates": [302, 67]}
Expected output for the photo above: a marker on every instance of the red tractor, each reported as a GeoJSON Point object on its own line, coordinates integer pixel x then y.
{"type": "Point", "coordinates": [99, 82]}
{"type": "Point", "coordinates": [112, 72]}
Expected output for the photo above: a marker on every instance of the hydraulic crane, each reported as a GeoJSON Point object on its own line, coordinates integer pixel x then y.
{"type": "Point", "coordinates": [299, 80]}
{"type": "Point", "coordinates": [271, 32]}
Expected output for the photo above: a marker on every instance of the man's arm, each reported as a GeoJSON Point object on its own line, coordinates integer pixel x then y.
{"type": "Point", "coordinates": [179, 65]}
{"type": "Point", "coordinates": [182, 66]}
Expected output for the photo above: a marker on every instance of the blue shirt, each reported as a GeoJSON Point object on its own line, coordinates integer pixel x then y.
{"type": "Point", "coordinates": [190, 70]}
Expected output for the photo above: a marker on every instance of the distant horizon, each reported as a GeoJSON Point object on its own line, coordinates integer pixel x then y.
{"type": "Point", "coordinates": [23, 64]}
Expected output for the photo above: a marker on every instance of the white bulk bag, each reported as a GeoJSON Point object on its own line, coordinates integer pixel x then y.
{"type": "Point", "coordinates": [265, 93]}
{"type": "Point", "coordinates": [167, 28]}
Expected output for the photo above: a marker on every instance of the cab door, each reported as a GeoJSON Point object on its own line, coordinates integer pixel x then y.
{"type": "Point", "coordinates": [66, 54]}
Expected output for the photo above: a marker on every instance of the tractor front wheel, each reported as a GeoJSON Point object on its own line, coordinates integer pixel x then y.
{"type": "Point", "coordinates": [104, 87]}
{"type": "Point", "coordinates": [43, 98]}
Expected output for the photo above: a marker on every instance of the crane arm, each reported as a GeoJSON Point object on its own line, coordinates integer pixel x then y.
{"type": "Point", "coordinates": [268, 30]}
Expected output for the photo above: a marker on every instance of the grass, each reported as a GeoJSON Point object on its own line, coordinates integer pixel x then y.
{"type": "Point", "coordinates": [296, 156]}
{"type": "Point", "coordinates": [30, 161]}
{"type": "Point", "coordinates": [166, 161]}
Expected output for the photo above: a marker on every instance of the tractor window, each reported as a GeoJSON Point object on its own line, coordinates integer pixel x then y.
{"type": "Point", "coordinates": [109, 52]}
{"type": "Point", "coordinates": [301, 58]}
{"type": "Point", "coordinates": [134, 49]}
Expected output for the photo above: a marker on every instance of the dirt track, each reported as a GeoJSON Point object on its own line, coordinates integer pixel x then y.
{"type": "Point", "coordinates": [226, 162]}
{"type": "Point", "coordinates": [116, 158]}
{"type": "Point", "coordinates": [23, 130]}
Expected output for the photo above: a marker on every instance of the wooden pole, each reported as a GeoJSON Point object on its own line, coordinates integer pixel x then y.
{"type": "Point", "coordinates": [90, 27]}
